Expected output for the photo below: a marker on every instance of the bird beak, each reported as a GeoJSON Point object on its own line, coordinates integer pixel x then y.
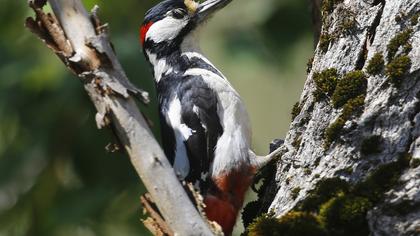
{"type": "Point", "coordinates": [207, 8]}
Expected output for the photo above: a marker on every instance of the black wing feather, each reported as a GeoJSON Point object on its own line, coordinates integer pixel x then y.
{"type": "Point", "coordinates": [199, 113]}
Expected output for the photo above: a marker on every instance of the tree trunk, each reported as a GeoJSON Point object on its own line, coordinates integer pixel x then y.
{"type": "Point", "coordinates": [355, 134]}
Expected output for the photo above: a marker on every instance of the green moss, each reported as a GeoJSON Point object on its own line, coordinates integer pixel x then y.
{"type": "Point", "coordinates": [295, 192]}
{"type": "Point", "coordinates": [316, 176]}
{"type": "Point", "coordinates": [301, 223]}
{"type": "Point", "coordinates": [354, 107]}
{"type": "Point", "coordinates": [353, 214]}
{"type": "Point", "coordinates": [414, 19]}
{"type": "Point", "coordinates": [400, 17]}
{"type": "Point", "coordinates": [318, 95]}
{"type": "Point", "coordinates": [325, 40]}
{"type": "Point", "coordinates": [345, 215]}
{"type": "Point", "coordinates": [386, 176]}
{"type": "Point", "coordinates": [325, 189]}
{"type": "Point", "coordinates": [309, 65]}
{"type": "Point", "coordinates": [334, 207]}
{"type": "Point", "coordinates": [350, 92]}
{"type": "Point", "coordinates": [350, 86]}
{"type": "Point", "coordinates": [325, 82]}
{"type": "Point", "coordinates": [333, 131]}
{"type": "Point", "coordinates": [341, 208]}
{"type": "Point", "coordinates": [397, 69]}
{"type": "Point", "coordinates": [297, 108]}
{"type": "Point", "coordinates": [407, 48]}
{"type": "Point", "coordinates": [264, 225]}
{"type": "Point", "coordinates": [297, 141]}
{"type": "Point", "coordinates": [328, 5]}
{"type": "Point", "coordinates": [400, 40]}
{"type": "Point", "coordinates": [371, 145]}
{"type": "Point", "coordinates": [347, 22]}
{"type": "Point", "coordinates": [307, 171]}
{"type": "Point", "coordinates": [376, 64]}
{"type": "Point", "coordinates": [293, 223]}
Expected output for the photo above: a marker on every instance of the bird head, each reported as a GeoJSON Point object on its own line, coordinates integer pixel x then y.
{"type": "Point", "coordinates": [167, 24]}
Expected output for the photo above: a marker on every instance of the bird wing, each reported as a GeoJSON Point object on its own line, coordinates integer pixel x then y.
{"type": "Point", "coordinates": [199, 114]}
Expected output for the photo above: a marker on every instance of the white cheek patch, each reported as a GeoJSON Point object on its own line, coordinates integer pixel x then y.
{"type": "Point", "coordinates": [166, 29]}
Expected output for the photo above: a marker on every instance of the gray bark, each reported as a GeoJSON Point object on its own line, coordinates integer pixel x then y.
{"type": "Point", "coordinates": [391, 112]}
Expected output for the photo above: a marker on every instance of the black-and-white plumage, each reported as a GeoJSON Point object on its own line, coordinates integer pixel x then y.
{"type": "Point", "coordinates": [205, 127]}
{"type": "Point", "coordinates": [202, 116]}
{"type": "Point", "coordinates": [190, 124]}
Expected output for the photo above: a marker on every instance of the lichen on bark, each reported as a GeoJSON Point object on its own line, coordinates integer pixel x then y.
{"type": "Point", "coordinates": [377, 129]}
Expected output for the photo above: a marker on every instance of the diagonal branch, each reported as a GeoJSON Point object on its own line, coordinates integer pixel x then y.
{"type": "Point", "coordinates": [83, 45]}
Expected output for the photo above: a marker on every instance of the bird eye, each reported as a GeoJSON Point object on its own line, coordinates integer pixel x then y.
{"type": "Point", "coordinates": [178, 13]}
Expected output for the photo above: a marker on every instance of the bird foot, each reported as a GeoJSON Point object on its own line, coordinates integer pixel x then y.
{"type": "Point", "coordinates": [278, 150]}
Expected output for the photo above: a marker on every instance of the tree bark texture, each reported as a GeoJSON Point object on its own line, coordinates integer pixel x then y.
{"type": "Point", "coordinates": [358, 116]}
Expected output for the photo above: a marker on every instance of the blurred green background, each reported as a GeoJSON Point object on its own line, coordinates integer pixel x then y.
{"type": "Point", "coordinates": [56, 177]}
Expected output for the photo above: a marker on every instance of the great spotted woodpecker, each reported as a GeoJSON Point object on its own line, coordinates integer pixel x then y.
{"type": "Point", "coordinates": [206, 133]}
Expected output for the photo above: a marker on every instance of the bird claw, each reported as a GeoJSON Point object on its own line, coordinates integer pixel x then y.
{"type": "Point", "coordinates": [275, 155]}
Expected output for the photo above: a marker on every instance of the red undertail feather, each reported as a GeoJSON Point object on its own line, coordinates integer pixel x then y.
{"type": "Point", "coordinates": [222, 212]}
{"type": "Point", "coordinates": [223, 203]}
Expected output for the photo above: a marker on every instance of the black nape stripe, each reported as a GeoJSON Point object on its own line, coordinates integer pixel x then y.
{"type": "Point", "coordinates": [196, 62]}
{"type": "Point", "coordinates": [158, 12]}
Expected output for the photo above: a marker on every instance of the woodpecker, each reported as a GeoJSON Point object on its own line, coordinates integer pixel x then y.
{"type": "Point", "coordinates": [206, 133]}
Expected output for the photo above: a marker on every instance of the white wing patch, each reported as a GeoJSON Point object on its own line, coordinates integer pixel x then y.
{"type": "Point", "coordinates": [182, 133]}
{"type": "Point", "coordinates": [186, 131]}
{"type": "Point", "coordinates": [195, 110]}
